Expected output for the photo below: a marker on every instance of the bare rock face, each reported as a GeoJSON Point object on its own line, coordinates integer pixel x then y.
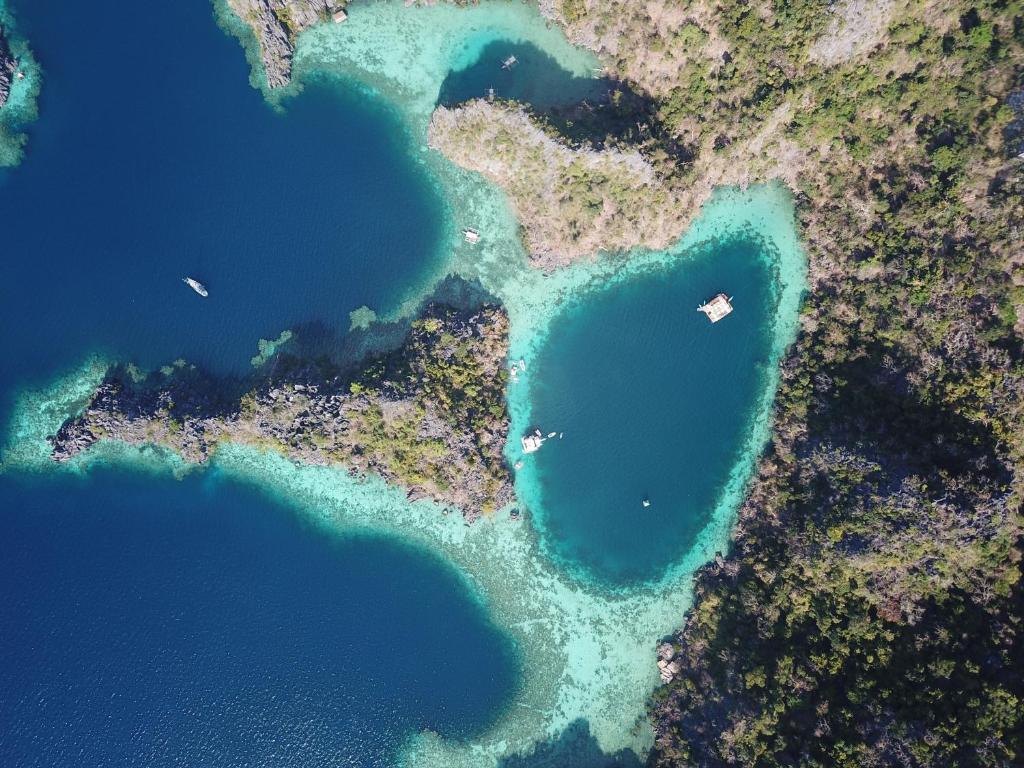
{"type": "Point", "coordinates": [277, 23]}
{"type": "Point", "coordinates": [7, 67]}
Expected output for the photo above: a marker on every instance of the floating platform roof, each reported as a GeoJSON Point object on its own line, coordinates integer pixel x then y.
{"type": "Point", "coordinates": [339, 16]}
{"type": "Point", "coordinates": [717, 308]}
{"type": "Point", "coordinates": [532, 442]}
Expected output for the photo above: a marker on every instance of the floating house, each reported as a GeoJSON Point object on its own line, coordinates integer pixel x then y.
{"type": "Point", "coordinates": [339, 16]}
{"type": "Point", "coordinates": [532, 442]}
{"type": "Point", "coordinates": [717, 308]}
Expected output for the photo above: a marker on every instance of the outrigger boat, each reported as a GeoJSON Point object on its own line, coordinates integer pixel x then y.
{"type": "Point", "coordinates": [196, 286]}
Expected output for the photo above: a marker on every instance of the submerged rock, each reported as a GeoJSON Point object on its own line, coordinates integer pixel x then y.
{"type": "Point", "coordinates": [429, 416]}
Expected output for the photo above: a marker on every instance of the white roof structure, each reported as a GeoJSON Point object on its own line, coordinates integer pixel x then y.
{"type": "Point", "coordinates": [717, 308]}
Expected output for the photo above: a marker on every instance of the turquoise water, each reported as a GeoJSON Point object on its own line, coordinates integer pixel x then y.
{"type": "Point", "coordinates": [536, 79]}
{"type": "Point", "coordinates": [20, 108]}
{"type": "Point", "coordinates": [655, 403]}
{"type": "Point", "coordinates": [585, 654]}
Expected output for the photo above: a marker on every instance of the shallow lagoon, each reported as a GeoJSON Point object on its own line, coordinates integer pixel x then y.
{"type": "Point", "coordinates": [654, 403]}
{"type": "Point", "coordinates": [586, 651]}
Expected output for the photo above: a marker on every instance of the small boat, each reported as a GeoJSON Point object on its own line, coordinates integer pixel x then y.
{"type": "Point", "coordinates": [510, 62]}
{"type": "Point", "coordinates": [552, 434]}
{"type": "Point", "coordinates": [471, 235]}
{"type": "Point", "coordinates": [196, 286]}
{"type": "Point", "coordinates": [646, 502]}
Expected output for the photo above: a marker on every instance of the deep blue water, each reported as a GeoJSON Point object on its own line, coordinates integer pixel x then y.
{"type": "Point", "coordinates": [151, 622]}
{"type": "Point", "coordinates": [153, 159]}
{"type": "Point", "coordinates": [655, 402]}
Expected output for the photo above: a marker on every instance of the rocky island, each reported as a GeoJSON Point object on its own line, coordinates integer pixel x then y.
{"type": "Point", "coordinates": [8, 65]}
{"type": "Point", "coordinates": [429, 416]}
{"type": "Point", "coordinates": [276, 24]}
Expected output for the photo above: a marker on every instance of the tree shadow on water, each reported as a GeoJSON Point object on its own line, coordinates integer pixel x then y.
{"type": "Point", "coordinates": [575, 747]}
{"type": "Point", "coordinates": [590, 110]}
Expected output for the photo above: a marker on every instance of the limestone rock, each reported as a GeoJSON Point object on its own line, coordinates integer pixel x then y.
{"type": "Point", "coordinates": [8, 64]}
{"type": "Point", "coordinates": [429, 416]}
{"type": "Point", "coordinates": [277, 23]}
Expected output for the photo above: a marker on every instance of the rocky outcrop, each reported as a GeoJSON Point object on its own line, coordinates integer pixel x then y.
{"type": "Point", "coordinates": [8, 65]}
{"type": "Point", "coordinates": [277, 23]}
{"type": "Point", "coordinates": [429, 416]}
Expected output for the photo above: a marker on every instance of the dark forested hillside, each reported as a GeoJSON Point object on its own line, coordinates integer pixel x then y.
{"type": "Point", "coordinates": [870, 612]}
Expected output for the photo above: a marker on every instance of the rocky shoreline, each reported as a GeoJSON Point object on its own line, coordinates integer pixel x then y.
{"type": "Point", "coordinates": [276, 24]}
{"type": "Point", "coordinates": [8, 65]}
{"type": "Point", "coordinates": [429, 416]}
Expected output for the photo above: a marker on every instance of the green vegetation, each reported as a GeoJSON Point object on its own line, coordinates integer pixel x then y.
{"type": "Point", "coordinates": [572, 201]}
{"type": "Point", "coordinates": [429, 415]}
{"type": "Point", "coordinates": [871, 612]}
{"type": "Point", "coordinates": [459, 381]}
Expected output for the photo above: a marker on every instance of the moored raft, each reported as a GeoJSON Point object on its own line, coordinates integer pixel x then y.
{"type": "Point", "coordinates": [716, 308]}
{"type": "Point", "coordinates": [532, 442]}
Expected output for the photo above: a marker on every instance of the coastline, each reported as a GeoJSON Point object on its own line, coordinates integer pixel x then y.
{"type": "Point", "coordinates": [20, 109]}
{"type": "Point", "coordinates": [601, 664]}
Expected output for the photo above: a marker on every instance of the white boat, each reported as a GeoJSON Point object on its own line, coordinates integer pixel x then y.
{"type": "Point", "coordinates": [532, 443]}
{"type": "Point", "coordinates": [196, 286]}
{"type": "Point", "coordinates": [716, 308]}
{"type": "Point", "coordinates": [646, 502]}
{"type": "Point", "coordinates": [510, 62]}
